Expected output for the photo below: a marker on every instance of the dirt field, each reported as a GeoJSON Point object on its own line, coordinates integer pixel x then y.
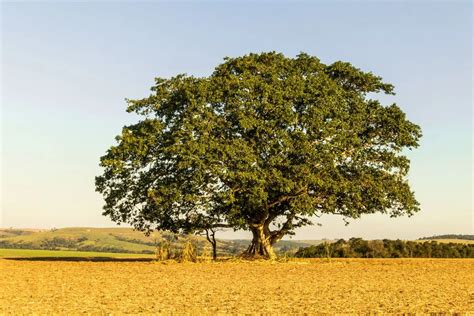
{"type": "Point", "coordinates": [350, 285]}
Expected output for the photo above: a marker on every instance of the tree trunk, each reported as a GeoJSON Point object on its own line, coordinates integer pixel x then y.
{"type": "Point", "coordinates": [214, 250]}
{"type": "Point", "coordinates": [261, 245]}
{"type": "Point", "coordinates": [214, 245]}
{"type": "Point", "coordinates": [211, 237]}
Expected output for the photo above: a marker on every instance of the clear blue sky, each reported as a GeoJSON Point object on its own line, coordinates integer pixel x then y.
{"type": "Point", "coordinates": [67, 67]}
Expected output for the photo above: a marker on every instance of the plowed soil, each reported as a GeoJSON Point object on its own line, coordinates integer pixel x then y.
{"type": "Point", "coordinates": [296, 287]}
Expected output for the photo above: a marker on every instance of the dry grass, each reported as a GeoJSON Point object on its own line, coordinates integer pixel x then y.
{"type": "Point", "coordinates": [232, 287]}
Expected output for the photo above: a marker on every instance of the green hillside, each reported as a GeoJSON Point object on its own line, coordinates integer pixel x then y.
{"type": "Point", "coordinates": [82, 239]}
{"type": "Point", "coordinates": [117, 240]}
{"type": "Point", "coordinates": [68, 254]}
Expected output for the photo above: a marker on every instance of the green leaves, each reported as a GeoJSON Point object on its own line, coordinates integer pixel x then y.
{"type": "Point", "coordinates": [264, 138]}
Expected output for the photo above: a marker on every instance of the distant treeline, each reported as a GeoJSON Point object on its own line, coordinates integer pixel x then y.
{"type": "Point", "coordinates": [359, 248]}
{"type": "Point", "coordinates": [449, 236]}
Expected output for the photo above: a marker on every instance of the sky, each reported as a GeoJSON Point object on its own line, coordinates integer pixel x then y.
{"type": "Point", "coordinates": [66, 68]}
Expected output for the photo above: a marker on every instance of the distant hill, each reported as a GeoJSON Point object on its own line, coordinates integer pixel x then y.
{"type": "Point", "coordinates": [118, 240]}
{"type": "Point", "coordinates": [449, 236]}
{"type": "Point", "coordinates": [82, 239]}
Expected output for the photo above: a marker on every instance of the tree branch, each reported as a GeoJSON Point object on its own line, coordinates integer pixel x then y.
{"type": "Point", "coordinates": [276, 235]}
{"type": "Point", "coordinates": [287, 197]}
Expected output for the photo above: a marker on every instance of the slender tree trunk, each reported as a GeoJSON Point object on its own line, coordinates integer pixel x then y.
{"type": "Point", "coordinates": [211, 237]}
{"type": "Point", "coordinates": [214, 250]}
{"type": "Point", "coordinates": [214, 245]}
{"type": "Point", "coordinates": [260, 245]}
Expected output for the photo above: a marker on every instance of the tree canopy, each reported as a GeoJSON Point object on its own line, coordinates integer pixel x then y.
{"type": "Point", "coordinates": [264, 143]}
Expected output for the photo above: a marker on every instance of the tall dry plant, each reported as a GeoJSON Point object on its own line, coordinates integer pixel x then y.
{"type": "Point", "coordinates": [328, 249]}
{"type": "Point", "coordinates": [163, 251]}
{"type": "Point", "coordinates": [188, 253]}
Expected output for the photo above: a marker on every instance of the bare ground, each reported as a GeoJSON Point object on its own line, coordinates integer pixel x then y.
{"type": "Point", "coordinates": [297, 287]}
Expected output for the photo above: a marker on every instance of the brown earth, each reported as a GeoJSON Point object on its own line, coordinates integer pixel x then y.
{"type": "Point", "coordinates": [296, 287]}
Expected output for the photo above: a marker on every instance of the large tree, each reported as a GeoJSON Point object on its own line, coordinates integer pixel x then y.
{"type": "Point", "coordinates": [265, 143]}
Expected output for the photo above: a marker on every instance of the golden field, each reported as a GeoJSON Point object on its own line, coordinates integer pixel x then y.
{"type": "Point", "coordinates": [235, 287]}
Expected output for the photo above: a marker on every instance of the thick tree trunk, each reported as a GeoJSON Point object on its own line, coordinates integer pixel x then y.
{"type": "Point", "coordinates": [261, 245]}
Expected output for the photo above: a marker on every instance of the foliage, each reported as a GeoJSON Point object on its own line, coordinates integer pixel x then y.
{"type": "Point", "coordinates": [263, 144]}
{"type": "Point", "coordinates": [359, 248]}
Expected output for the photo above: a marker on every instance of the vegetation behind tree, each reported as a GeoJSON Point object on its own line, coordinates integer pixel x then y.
{"type": "Point", "coordinates": [359, 248]}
